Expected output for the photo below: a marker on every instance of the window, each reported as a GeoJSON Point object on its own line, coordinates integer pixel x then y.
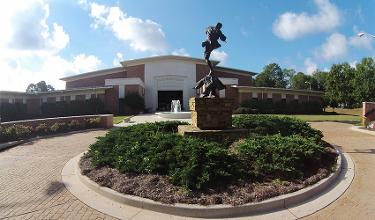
{"type": "Point", "coordinates": [93, 96]}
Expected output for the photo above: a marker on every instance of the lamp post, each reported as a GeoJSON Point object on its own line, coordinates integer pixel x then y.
{"type": "Point", "coordinates": [308, 83]}
{"type": "Point", "coordinates": [361, 34]}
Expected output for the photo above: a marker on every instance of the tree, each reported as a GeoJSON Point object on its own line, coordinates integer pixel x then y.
{"type": "Point", "coordinates": [39, 87]}
{"type": "Point", "coordinates": [340, 86]}
{"type": "Point", "coordinates": [271, 76]}
{"type": "Point", "coordinates": [302, 81]}
{"type": "Point", "coordinates": [288, 75]}
{"type": "Point", "coordinates": [364, 81]}
{"type": "Point", "coordinates": [321, 79]}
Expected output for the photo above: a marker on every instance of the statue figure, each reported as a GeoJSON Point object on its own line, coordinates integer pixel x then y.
{"type": "Point", "coordinates": [210, 81]}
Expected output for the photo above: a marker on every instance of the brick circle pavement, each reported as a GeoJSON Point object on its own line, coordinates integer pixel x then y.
{"type": "Point", "coordinates": [31, 188]}
{"type": "Point", "coordinates": [30, 179]}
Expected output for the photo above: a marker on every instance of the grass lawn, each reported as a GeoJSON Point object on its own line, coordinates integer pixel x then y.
{"type": "Point", "coordinates": [345, 111]}
{"type": "Point", "coordinates": [341, 118]}
{"type": "Point", "coordinates": [342, 115]}
{"type": "Point", "coordinates": [119, 118]}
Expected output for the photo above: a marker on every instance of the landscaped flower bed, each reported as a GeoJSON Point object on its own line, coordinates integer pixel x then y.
{"type": "Point", "coordinates": [20, 132]}
{"type": "Point", "coordinates": [151, 160]}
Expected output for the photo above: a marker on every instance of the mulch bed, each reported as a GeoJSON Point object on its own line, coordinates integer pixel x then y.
{"type": "Point", "coordinates": [159, 188]}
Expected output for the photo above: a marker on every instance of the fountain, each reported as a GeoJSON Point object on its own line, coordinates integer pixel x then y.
{"type": "Point", "coordinates": [175, 112]}
{"type": "Point", "coordinates": [175, 106]}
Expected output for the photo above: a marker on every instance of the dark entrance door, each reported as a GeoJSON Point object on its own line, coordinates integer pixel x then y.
{"type": "Point", "coordinates": [165, 98]}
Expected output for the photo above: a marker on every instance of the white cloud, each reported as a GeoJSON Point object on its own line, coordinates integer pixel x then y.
{"type": "Point", "coordinates": [180, 52]}
{"type": "Point", "coordinates": [142, 35]}
{"type": "Point", "coordinates": [24, 28]}
{"type": "Point", "coordinates": [119, 57]}
{"type": "Point", "coordinates": [335, 47]}
{"type": "Point", "coordinates": [219, 56]}
{"type": "Point", "coordinates": [310, 66]}
{"type": "Point", "coordinates": [364, 42]}
{"type": "Point", "coordinates": [291, 25]}
{"type": "Point", "coordinates": [29, 48]}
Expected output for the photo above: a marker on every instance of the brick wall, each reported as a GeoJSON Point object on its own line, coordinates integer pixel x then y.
{"type": "Point", "coordinates": [368, 112]}
{"type": "Point", "coordinates": [202, 70]}
{"type": "Point", "coordinates": [232, 93]}
{"type": "Point", "coordinates": [94, 81]}
{"type": "Point", "coordinates": [133, 89]}
{"type": "Point", "coordinates": [137, 71]}
{"type": "Point", "coordinates": [111, 100]}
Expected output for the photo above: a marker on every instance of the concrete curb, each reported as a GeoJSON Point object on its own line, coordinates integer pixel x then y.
{"type": "Point", "coordinates": [361, 129]}
{"type": "Point", "coordinates": [10, 144]}
{"type": "Point", "coordinates": [294, 205]}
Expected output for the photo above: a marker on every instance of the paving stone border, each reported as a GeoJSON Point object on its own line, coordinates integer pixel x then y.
{"type": "Point", "coordinates": [327, 190]}
{"type": "Point", "coordinates": [4, 146]}
{"type": "Point", "coordinates": [362, 129]}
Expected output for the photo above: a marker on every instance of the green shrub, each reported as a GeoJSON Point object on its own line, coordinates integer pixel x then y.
{"type": "Point", "coordinates": [278, 156]}
{"type": "Point", "coordinates": [268, 125]}
{"type": "Point", "coordinates": [42, 129]}
{"type": "Point", "coordinates": [75, 125]}
{"type": "Point", "coordinates": [134, 103]}
{"type": "Point", "coordinates": [92, 122]}
{"type": "Point", "coordinates": [15, 132]}
{"type": "Point", "coordinates": [267, 106]}
{"type": "Point", "coordinates": [153, 148]}
{"type": "Point", "coordinates": [59, 127]}
{"type": "Point", "coordinates": [13, 111]}
{"type": "Point", "coordinates": [75, 107]}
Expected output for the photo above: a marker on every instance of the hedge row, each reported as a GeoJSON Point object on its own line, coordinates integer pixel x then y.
{"type": "Point", "coordinates": [75, 107]}
{"type": "Point", "coordinates": [18, 111]}
{"type": "Point", "coordinates": [19, 132]}
{"type": "Point", "coordinates": [255, 106]}
{"type": "Point", "coordinates": [13, 112]}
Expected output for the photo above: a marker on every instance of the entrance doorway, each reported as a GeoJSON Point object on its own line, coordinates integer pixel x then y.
{"type": "Point", "coordinates": [165, 98]}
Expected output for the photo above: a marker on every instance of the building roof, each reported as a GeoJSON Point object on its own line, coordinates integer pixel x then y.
{"type": "Point", "coordinates": [140, 61]}
{"type": "Point", "coordinates": [93, 73]}
{"type": "Point", "coordinates": [55, 91]}
{"type": "Point", "coordinates": [278, 89]}
{"type": "Point", "coordinates": [165, 57]}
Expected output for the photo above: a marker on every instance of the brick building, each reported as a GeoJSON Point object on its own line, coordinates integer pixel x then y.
{"type": "Point", "coordinates": [159, 80]}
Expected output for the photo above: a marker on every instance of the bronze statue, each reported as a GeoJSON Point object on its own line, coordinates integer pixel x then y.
{"type": "Point", "coordinates": [210, 81]}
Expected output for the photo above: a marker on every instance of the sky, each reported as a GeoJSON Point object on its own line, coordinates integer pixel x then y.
{"type": "Point", "coordinates": [48, 40]}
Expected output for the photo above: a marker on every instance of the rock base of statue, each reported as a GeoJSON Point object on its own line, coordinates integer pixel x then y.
{"type": "Point", "coordinates": [211, 113]}
{"type": "Point", "coordinates": [212, 120]}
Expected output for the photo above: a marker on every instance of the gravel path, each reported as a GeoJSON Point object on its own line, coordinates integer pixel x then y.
{"type": "Point", "coordinates": [358, 202]}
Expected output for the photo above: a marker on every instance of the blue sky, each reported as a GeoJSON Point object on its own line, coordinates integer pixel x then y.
{"type": "Point", "coordinates": [46, 40]}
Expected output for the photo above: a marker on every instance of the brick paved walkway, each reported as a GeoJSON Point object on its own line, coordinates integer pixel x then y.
{"type": "Point", "coordinates": [30, 179]}
{"type": "Point", "coordinates": [31, 188]}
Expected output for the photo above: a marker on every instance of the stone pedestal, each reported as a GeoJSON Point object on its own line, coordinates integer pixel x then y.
{"type": "Point", "coordinates": [212, 120]}
{"type": "Point", "coordinates": [211, 113]}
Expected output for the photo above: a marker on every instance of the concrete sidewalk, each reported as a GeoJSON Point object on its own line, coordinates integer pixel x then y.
{"type": "Point", "coordinates": [358, 202]}
{"type": "Point", "coordinates": [147, 118]}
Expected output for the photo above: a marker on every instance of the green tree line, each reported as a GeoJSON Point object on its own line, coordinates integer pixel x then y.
{"type": "Point", "coordinates": [342, 85]}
